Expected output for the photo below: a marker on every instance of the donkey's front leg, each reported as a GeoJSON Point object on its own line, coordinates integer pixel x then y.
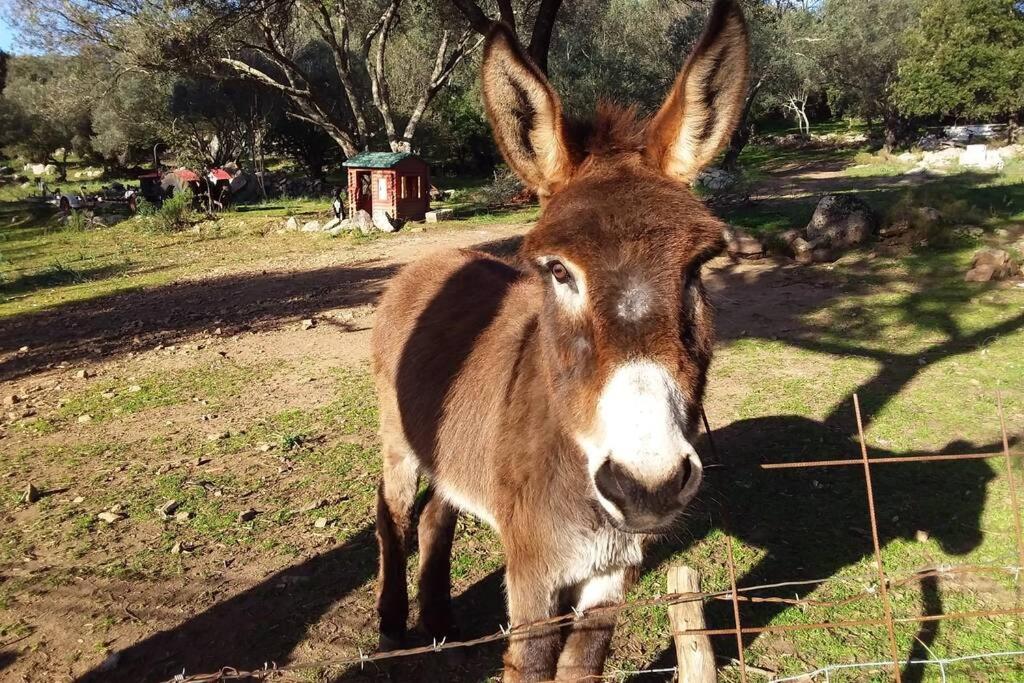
{"type": "Point", "coordinates": [532, 654]}
{"type": "Point", "coordinates": [586, 648]}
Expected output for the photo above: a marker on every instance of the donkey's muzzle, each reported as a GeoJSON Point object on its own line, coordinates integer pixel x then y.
{"type": "Point", "coordinates": [643, 508]}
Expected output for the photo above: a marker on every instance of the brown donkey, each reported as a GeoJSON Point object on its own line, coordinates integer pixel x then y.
{"type": "Point", "coordinates": [556, 399]}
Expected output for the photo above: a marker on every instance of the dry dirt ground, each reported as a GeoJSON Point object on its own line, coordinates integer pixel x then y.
{"type": "Point", "coordinates": [215, 393]}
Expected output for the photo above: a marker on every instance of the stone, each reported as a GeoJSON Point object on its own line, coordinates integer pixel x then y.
{"type": "Point", "coordinates": [789, 237]}
{"type": "Point", "coordinates": [331, 224]}
{"type": "Point", "coordinates": [981, 158]}
{"type": "Point", "coordinates": [383, 222]}
{"type": "Point", "coordinates": [716, 179]}
{"type": "Point", "coordinates": [183, 516]}
{"type": "Point", "coordinates": [134, 389]}
{"type": "Point", "coordinates": [363, 221]}
{"type": "Point", "coordinates": [84, 374]}
{"type": "Point", "coordinates": [176, 548]}
{"type": "Point", "coordinates": [110, 517]}
{"type": "Point", "coordinates": [78, 500]}
{"type": "Point", "coordinates": [921, 536]}
{"type": "Point", "coordinates": [308, 323]}
{"type": "Point", "coordinates": [246, 515]}
{"type": "Point", "coordinates": [982, 273]}
{"type": "Point", "coordinates": [320, 523]}
{"type": "Point", "coordinates": [218, 436]}
{"type": "Point", "coordinates": [168, 508]}
{"type": "Point", "coordinates": [894, 229]}
{"type": "Point", "coordinates": [290, 225]}
{"type": "Point", "coordinates": [11, 399]}
{"type": "Point", "coordinates": [743, 244]}
{"type": "Point", "coordinates": [438, 215]}
{"type": "Point", "coordinates": [311, 226]}
{"type": "Point", "coordinates": [31, 494]}
{"type": "Point", "coordinates": [841, 220]}
{"type": "Point", "coordinates": [991, 264]}
{"type": "Point", "coordinates": [971, 231]}
{"type": "Point", "coordinates": [82, 419]}
{"type": "Point", "coordinates": [343, 225]}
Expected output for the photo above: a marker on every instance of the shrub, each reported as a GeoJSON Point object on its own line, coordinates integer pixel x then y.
{"type": "Point", "coordinates": [176, 213]}
{"type": "Point", "coordinates": [506, 188]}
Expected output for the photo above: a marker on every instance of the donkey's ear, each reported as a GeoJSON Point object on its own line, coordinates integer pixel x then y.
{"type": "Point", "coordinates": [704, 106]}
{"type": "Point", "coordinates": [525, 114]}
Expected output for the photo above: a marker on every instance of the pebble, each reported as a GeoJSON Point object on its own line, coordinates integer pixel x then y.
{"type": "Point", "coordinates": [308, 323]}
{"type": "Point", "coordinates": [78, 500]}
{"type": "Point", "coordinates": [168, 508]}
{"type": "Point", "coordinates": [84, 418]}
{"type": "Point", "coordinates": [109, 517]}
{"type": "Point", "coordinates": [84, 374]}
{"type": "Point", "coordinates": [134, 389]}
{"type": "Point", "coordinates": [31, 494]}
{"type": "Point", "coordinates": [11, 400]}
{"type": "Point", "coordinates": [320, 523]}
{"type": "Point", "coordinates": [183, 516]}
{"type": "Point", "coordinates": [921, 536]}
{"type": "Point", "coordinates": [247, 515]}
{"type": "Point", "coordinates": [218, 436]}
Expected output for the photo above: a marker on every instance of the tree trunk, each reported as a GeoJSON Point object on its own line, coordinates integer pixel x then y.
{"type": "Point", "coordinates": [540, 36]}
{"type": "Point", "coordinates": [741, 136]}
{"type": "Point", "coordinates": [898, 131]}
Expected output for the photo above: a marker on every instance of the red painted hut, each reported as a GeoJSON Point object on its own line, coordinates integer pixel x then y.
{"type": "Point", "coordinates": [394, 183]}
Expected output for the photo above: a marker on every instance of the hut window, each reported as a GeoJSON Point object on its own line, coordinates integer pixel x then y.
{"type": "Point", "coordinates": [419, 188]}
{"type": "Point", "coordinates": [405, 187]}
{"type": "Point", "coordinates": [382, 188]}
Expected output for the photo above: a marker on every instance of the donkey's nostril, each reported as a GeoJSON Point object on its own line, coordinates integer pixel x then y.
{"type": "Point", "coordinates": [615, 484]}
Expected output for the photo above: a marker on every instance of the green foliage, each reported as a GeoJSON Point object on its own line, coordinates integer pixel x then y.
{"type": "Point", "coordinates": [965, 58]}
{"type": "Point", "coordinates": [176, 213]}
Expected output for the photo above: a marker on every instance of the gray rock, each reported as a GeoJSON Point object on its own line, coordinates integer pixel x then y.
{"type": "Point", "coordinates": [789, 237]}
{"type": "Point", "coordinates": [331, 224]}
{"type": "Point", "coordinates": [439, 215]}
{"type": "Point", "coordinates": [385, 223]}
{"type": "Point", "coordinates": [716, 179]}
{"type": "Point", "coordinates": [110, 517]}
{"type": "Point", "coordinates": [363, 221]}
{"type": "Point", "coordinates": [311, 226]}
{"type": "Point", "coordinates": [982, 273]}
{"type": "Point", "coordinates": [290, 224]}
{"type": "Point", "coordinates": [343, 226]}
{"type": "Point", "coordinates": [247, 515]}
{"type": "Point", "coordinates": [841, 220]}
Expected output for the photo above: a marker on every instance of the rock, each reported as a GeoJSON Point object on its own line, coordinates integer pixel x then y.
{"type": "Point", "coordinates": [979, 274]}
{"type": "Point", "coordinates": [342, 226]}
{"type": "Point", "coordinates": [981, 158]}
{"type": "Point", "coordinates": [940, 159]}
{"type": "Point", "coordinates": [331, 224]}
{"type": "Point", "coordinates": [11, 399]}
{"type": "Point", "coordinates": [991, 264]}
{"type": "Point", "coordinates": [716, 179]}
{"type": "Point", "coordinates": [82, 419]}
{"type": "Point", "coordinates": [183, 516]}
{"type": "Point", "coordinates": [49, 169]}
{"type": "Point", "coordinates": [30, 495]}
{"type": "Point", "coordinates": [438, 215]}
{"type": "Point", "coordinates": [841, 220]}
{"type": "Point", "coordinates": [176, 548]}
{"type": "Point", "coordinates": [290, 225]}
{"type": "Point", "coordinates": [311, 226]}
{"type": "Point", "coordinates": [218, 436]}
{"type": "Point", "coordinates": [743, 244]}
{"type": "Point", "coordinates": [308, 323]}
{"type": "Point", "coordinates": [971, 231]}
{"type": "Point", "coordinates": [894, 229]}
{"type": "Point", "coordinates": [78, 500]}
{"type": "Point", "coordinates": [134, 389]}
{"type": "Point", "coordinates": [84, 374]}
{"type": "Point", "coordinates": [383, 222]}
{"type": "Point", "coordinates": [789, 237]}
{"type": "Point", "coordinates": [921, 535]}
{"type": "Point", "coordinates": [313, 505]}
{"type": "Point", "coordinates": [320, 523]}
{"type": "Point", "coordinates": [246, 515]}
{"type": "Point", "coordinates": [168, 508]}
{"type": "Point", "coordinates": [363, 221]}
{"type": "Point", "coordinates": [110, 517]}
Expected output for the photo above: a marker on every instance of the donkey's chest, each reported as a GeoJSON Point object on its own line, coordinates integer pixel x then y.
{"type": "Point", "coordinates": [600, 552]}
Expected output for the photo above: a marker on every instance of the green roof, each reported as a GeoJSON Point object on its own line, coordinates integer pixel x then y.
{"type": "Point", "coordinates": [376, 159]}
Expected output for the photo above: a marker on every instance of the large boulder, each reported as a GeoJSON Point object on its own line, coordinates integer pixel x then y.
{"type": "Point", "coordinates": [385, 223]}
{"type": "Point", "coordinates": [981, 158]}
{"type": "Point", "coordinates": [991, 264]}
{"type": "Point", "coordinates": [364, 221]}
{"type": "Point", "coordinates": [716, 179]}
{"type": "Point", "coordinates": [841, 220]}
{"type": "Point", "coordinates": [311, 226]}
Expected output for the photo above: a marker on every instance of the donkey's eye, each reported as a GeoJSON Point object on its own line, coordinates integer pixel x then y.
{"type": "Point", "coordinates": [559, 271]}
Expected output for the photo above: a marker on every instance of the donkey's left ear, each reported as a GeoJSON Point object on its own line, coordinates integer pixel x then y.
{"type": "Point", "coordinates": [525, 114]}
{"type": "Point", "coordinates": [703, 108]}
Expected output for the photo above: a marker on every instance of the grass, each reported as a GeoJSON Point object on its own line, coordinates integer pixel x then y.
{"type": "Point", "coordinates": [924, 350]}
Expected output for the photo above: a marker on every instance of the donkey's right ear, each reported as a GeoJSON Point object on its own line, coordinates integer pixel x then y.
{"type": "Point", "coordinates": [525, 114]}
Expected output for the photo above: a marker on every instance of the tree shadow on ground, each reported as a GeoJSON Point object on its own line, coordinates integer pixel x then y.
{"type": "Point", "coordinates": [816, 526]}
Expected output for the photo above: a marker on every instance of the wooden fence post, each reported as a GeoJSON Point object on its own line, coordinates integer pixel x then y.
{"type": "Point", "coordinates": [693, 653]}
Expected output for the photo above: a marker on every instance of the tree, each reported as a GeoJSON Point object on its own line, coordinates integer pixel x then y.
{"type": "Point", "coordinates": [862, 43]}
{"type": "Point", "coordinates": [281, 45]}
{"type": "Point", "coordinates": [964, 59]}
{"type": "Point", "coordinates": [543, 23]}
{"type": "Point", "coordinates": [3, 69]}
{"type": "Point", "coordinates": [49, 109]}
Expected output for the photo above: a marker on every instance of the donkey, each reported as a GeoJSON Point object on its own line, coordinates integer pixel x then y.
{"type": "Point", "coordinates": [556, 398]}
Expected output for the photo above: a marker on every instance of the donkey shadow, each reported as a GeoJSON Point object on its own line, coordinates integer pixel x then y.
{"type": "Point", "coordinates": [813, 523]}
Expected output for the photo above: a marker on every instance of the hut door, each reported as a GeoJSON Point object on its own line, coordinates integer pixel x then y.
{"type": "Point", "coordinates": [364, 192]}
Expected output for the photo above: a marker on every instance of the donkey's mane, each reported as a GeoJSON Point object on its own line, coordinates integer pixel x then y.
{"type": "Point", "coordinates": [613, 130]}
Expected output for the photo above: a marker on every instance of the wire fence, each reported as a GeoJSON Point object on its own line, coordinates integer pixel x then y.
{"type": "Point", "coordinates": [878, 587]}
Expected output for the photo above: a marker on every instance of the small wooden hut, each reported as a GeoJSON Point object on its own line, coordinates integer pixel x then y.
{"type": "Point", "coordinates": [392, 183]}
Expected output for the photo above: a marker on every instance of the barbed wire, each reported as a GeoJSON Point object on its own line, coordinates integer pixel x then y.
{"type": "Point", "coordinates": [879, 585]}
